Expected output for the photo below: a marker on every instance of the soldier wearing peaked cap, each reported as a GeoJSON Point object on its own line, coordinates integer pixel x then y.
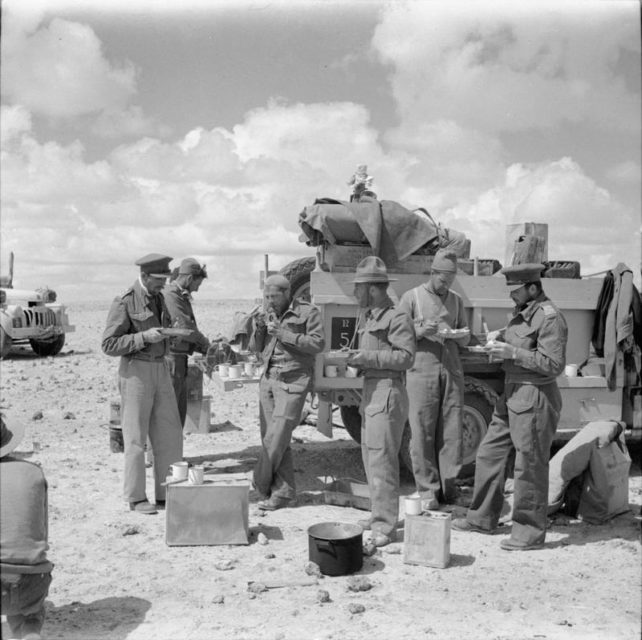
{"type": "Point", "coordinates": [386, 350]}
{"type": "Point", "coordinates": [178, 299]}
{"type": "Point", "coordinates": [287, 334]}
{"type": "Point", "coordinates": [436, 382]}
{"type": "Point", "coordinates": [533, 348]}
{"type": "Point", "coordinates": [148, 402]}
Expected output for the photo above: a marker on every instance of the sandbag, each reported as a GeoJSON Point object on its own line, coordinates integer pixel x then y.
{"type": "Point", "coordinates": [590, 473]}
{"type": "Point", "coordinates": [605, 491]}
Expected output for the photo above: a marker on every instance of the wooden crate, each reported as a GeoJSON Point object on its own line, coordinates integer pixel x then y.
{"type": "Point", "coordinates": [346, 492]}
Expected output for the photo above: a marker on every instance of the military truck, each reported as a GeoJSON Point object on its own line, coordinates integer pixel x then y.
{"type": "Point", "coordinates": [325, 279]}
{"type": "Point", "coordinates": [31, 316]}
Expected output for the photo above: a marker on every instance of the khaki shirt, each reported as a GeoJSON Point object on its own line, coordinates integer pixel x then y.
{"type": "Point", "coordinates": [179, 306]}
{"type": "Point", "coordinates": [301, 337]}
{"type": "Point", "coordinates": [131, 314]}
{"type": "Point", "coordinates": [423, 303]}
{"type": "Point", "coordinates": [539, 334]}
{"type": "Point", "coordinates": [386, 342]}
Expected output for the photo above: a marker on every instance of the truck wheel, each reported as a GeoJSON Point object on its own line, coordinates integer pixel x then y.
{"type": "Point", "coordinates": [479, 402]}
{"type": "Point", "coordinates": [298, 273]}
{"type": "Point", "coordinates": [351, 419]}
{"type": "Point", "coordinates": [5, 344]}
{"type": "Point", "coordinates": [48, 347]}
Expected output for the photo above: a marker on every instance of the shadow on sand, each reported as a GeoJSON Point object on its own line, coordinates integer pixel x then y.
{"type": "Point", "coordinates": [109, 618]}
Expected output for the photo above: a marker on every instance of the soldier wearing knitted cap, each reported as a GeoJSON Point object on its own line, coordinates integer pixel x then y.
{"type": "Point", "coordinates": [386, 350]}
{"type": "Point", "coordinates": [287, 335]}
{"type": "Point", "coordinates": [436, 382]}
{"type": "Point", "coordinates": [148, 403]}
{"type": "Point", "coordinates": [178, 299]}
{"type": "Point", "coordinates": [533, 348]}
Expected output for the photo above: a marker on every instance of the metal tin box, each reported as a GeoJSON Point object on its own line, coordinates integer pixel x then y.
{"type": "Point", "coordinates": [212, 513]}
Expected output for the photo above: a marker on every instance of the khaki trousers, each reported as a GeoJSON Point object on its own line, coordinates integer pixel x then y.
{"type": "Point", "coordinates": [436, 400]}
{"type": "Point", "coordinates": [281, 398]}
{"type": "Point", "coordinates": [384, 411]}
{"type": "Point", "coordinates": [148, 406]}
{"type": "Point", "coordinates": [523, 423]}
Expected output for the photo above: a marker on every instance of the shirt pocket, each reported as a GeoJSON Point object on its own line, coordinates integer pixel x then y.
{"type": "Point", "coordinates": [295, 325]}
{"type": "Point", "coordinates": [525, 337]}
{"type": "Point", "coordinates": [142, 319]}
{"type": "Point", "coordinates": [519, 405]}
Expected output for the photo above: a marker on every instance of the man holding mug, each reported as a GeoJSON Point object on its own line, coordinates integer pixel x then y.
{"type": "Point", "coordinates": [288, 334]}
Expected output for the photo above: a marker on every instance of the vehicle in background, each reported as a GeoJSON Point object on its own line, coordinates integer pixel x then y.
{"type": "Point", "coordinates": [31, 316]}
{"type": "Point", "coordinates": [326, 281]}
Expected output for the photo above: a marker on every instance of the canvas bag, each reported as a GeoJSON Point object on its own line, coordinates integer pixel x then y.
{"type": "Point", "coordinates": [583, 472]}
{"type": "Point", "coordinates": [605, 490]}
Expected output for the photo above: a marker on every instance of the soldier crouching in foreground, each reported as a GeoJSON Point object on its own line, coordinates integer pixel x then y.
{"type": "Point", "coordinates": [148, 401]}
{"type": "Point", "coordinates": [386, 350]}
{"type": "Point", "coordinates": [287, 337]}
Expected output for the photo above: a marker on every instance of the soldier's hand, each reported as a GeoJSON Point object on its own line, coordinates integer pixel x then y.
{"type": "Point", "coordinates": [273, 328]}
{"type": "Point", "coordinates": [491, 336]}
{"type": "Point", "coordinates": [152, 335]}
{"type": "Point", "coordinates": [356, 359]}
{"type": "Point", "coordinates": [426, 328]}
{"type": "Point", "coordinates": [501, 350]}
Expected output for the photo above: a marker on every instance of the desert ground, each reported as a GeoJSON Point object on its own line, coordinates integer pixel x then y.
{"type": "Point", "coordinates": [116, 578]}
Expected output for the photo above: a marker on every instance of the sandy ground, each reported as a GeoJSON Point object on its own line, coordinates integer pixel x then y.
{"type": "Point", "coordinates": [116, 578]}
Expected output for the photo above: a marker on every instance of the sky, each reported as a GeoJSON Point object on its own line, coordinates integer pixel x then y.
{"type": "Point", "coordinates": [203, 128]}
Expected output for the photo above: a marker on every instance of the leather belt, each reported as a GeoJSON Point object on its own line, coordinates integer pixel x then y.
{"type": "Point", "coordinates": [146, 357]}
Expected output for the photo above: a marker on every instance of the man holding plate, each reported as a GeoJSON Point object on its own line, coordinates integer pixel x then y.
{"type": "Point", "coordinates": [178, 299]}
{"type": "Point", "coordinates": [134, 331]}
{"type": "Point", "coordinates": [436, 382]}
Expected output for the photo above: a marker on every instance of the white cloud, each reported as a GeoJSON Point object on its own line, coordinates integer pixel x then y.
{"type": "Point", "coordinates": [511, 66]}
{"type": "Point", "coordinates": [585, 222]}
{"type": "Point", "coordinates": [217, 193]}
{"type": "Point", "coordinates": [626, 173]}
{"type": "Point", "coordinates": [231, 196]}
{"type": "Point", "coordinates": [61, 71]}
{"type": "Point", "coordinates": [128, 122]}
{"type": "Point", "coordinates": [14, 121]}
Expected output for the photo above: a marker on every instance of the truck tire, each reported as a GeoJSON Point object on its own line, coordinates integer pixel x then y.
{"type": "Point", "coordinates": [298, 273]}
{"type": "Point", "coordinates": [5, 344]}
{"type": "Point", "coordinates": [351, 419]}
{"type": "Point", "coordinates": [48, 347]}
{"type": "Point", "coordinates": [479, 402]}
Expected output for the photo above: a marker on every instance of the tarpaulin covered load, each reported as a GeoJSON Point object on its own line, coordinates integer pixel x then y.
{"type": "Point", "coordinates": [393, 231]}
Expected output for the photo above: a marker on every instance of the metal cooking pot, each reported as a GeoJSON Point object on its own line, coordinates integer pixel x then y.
{"type": "Point", "coordinates": [336, 547]}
